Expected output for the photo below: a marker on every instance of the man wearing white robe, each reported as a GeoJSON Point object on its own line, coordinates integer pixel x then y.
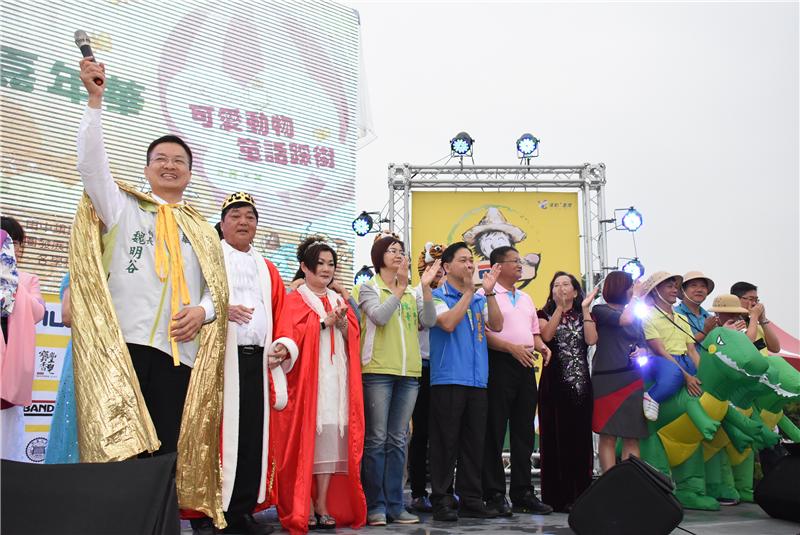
{"type": "Point", "coordinates": [253, 377]}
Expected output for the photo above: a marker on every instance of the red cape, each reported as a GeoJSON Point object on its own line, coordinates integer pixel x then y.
{"type": "Point", "coordinates": [292, 430]}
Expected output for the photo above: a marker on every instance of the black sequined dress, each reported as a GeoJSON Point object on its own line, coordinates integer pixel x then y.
{"type": "Point", "coordinates": [565, 415]}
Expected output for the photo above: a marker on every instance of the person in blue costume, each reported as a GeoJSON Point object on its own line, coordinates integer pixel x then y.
{"type": "Point", "coordinates": [62, 446]}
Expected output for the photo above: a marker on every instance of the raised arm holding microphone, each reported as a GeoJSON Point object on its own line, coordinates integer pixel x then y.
{"type": "Point", "coordinates": [149, 304]}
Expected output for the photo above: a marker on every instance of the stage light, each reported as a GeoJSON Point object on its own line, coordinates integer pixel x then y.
{"type": "Point", "coordinates": [634, 268]}
{"type": "Point", "coordinates": [632, 220]}
{"type": "Point", "coordinates": [364, 274]}
{"type": "Point", "coordinates": [461, 145]}
{"type": "Point", "coordinates": [362, 225]}
{"type": "Point", "coordinates": [641, 310]}
{"type": "Point", "coordinates": [527, 146]}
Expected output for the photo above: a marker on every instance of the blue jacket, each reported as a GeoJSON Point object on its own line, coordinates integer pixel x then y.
{"type": "Point", "coordinates": [462, 356]}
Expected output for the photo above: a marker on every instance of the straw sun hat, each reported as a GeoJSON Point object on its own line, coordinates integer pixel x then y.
{"type": "Point", "coordinates": [657, 278]}
{"type": "Point", "coordinates": [727, 304]}
{"type": "Point", "coordinates": [694, 275]}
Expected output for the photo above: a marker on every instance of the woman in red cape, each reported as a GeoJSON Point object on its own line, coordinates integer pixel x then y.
{"type": "Point", "coordinates": [297, 431]}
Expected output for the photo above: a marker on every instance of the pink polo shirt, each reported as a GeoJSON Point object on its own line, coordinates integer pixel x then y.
{"type": "Point", "coordinates": [519, 316]}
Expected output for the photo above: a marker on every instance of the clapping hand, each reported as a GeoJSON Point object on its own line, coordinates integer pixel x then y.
{"type": "Point", "coordinates": [341, 317]}
{"type": "Point", "coordinates": [638, 288]}
{"type": "Point", "coordinates": [490, 278]}
{"type": "Point", "coordinates": [736, 325]}
{"type": "Point", "coordinates": [562, 299]}
{"type": "Point", "coordinates": [430, 273]}
{"type": "Point", "coordinates": [339, 288]}
{"type": "Point", "coordinates": [402, 273]}
{"type": "Point", "coordinates": [589, 298]}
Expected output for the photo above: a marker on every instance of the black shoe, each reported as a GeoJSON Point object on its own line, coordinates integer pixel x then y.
{"type": "Point", "coordinates": [477, 510]}
{"type": "Point", "coordinates": [531, 504]}
{"type": "Point", "coordinates": [445, 514]}
{"type": "Point", "coordinates": [247, 525]}
{"type": "Point", "coordinates": [499, 505]}
{"type": "Point", "coordinates": [444, 510]}
{"type": "Point", "coordinates": [202, 526]}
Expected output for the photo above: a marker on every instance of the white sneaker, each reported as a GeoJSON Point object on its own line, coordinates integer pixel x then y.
{"type": "Point", "coordinates": [404, 518]}
{"type": "Point", "coordinates": [650, 408]}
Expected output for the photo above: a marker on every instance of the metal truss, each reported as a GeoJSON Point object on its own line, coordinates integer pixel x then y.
{"type": "Point", "coordinates": [588, 180]}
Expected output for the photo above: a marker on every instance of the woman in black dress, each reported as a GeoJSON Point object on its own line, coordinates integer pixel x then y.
{"type": "Point", "coordinates": [616, 376]}
{"type": "Point", "coordinates": [565, 393]}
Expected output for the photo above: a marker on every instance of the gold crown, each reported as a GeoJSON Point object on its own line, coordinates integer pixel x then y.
{"type": "Point", "coordinates": [239, 196]}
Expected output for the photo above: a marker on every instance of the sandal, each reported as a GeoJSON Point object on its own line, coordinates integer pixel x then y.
{"type": "Point", "coordinates": [312, 522]}
{"type": "Point", "coordinates": [326, 522]}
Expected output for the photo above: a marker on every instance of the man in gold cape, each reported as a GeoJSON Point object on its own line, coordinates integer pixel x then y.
{"type": "Point", "coordinates": [114, 422]}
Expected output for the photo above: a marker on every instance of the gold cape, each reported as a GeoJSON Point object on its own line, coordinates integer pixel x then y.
{"type": "Point", "coordinates": [113, 421]}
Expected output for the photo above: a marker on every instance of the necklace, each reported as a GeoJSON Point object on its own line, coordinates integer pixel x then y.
{"type": "Point", "coordinates": [323, 293]}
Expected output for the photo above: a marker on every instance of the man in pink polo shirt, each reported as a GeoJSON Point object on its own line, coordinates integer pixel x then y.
{"type": "Point", "coordinates": [512, 392]}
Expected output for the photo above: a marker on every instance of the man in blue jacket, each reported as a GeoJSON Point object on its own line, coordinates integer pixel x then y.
{"type": "Point", "coordinates": [459, 363]}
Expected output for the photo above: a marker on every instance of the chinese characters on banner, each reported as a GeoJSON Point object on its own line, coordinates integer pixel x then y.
{"type": "Point", "coordinates": [252, 149]}
{"type": "Point", "coordinates": [19, 73]}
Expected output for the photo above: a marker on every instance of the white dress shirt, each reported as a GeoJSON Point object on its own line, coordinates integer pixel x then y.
{"type": "Point", "coordinates": [245, 290]}
{"type": "Point", "coordinates": [141, 300]}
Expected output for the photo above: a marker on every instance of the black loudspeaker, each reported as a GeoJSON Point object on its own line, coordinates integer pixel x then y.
{"type": "Point", "coordinates": [136, 497]}
{"type": "Point", "coordinates": [778, 493]}
{"type": "Point", "coordinates": [632, 498]}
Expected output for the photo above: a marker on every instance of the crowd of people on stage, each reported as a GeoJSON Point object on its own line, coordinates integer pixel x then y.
{"type": "Point", "coordinates": [304, 395]}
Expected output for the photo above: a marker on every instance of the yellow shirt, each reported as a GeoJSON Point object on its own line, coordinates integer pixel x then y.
{"type": "Point", "coordinates": [760, 336]}
{"type": "Point", "coordinates": [658, 325]}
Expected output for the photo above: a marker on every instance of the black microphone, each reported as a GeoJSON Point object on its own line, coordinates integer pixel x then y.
{"type": "Point", "coordinates": [84, 43]}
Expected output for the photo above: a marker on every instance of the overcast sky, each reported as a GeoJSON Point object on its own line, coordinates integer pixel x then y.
{"type": "Point", "coordinates": [693, 107]}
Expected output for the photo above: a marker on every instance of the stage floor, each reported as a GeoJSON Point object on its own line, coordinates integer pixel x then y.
{"type": "Point", "coordinates": [743, 519]}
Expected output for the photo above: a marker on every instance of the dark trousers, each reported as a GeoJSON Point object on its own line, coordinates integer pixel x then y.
{"type": "Point", "coordinates": [418, 448]}
{"type": "Point", "coordinates": [512, 398]}
{"type": "Point", "coordinates": [457, 428]}
{"type": "Point", "coordinates": [164, 389]}
{"type": "Point", "coordinates": [251, 427]}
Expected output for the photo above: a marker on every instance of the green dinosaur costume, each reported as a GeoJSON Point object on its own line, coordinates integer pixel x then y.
{"type": "Point", "coordinates": [729, 472]}
{"type": "Point", "coordinates": [728, 361]}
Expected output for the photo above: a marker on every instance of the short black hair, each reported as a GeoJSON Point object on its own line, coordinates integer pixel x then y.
{"type": "Point", "coordinates": [740, 288]}
{"type": "Point", "coordinates": [450, 253]}
{"type": "Point", "coordinates": [14, 229]}
{"type": "Point", "coordinates": [218, 228]}
{"type": "Point", "coordinates": [169, 138]}
{"type": "Point", "coordinates": [499, 253]}
{"type": "Point", "coordinates": [308, 253]}
{"type": "Point", "coordinates": [239, 204]}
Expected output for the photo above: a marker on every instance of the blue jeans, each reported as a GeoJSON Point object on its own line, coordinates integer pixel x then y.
{"type": "Point", "coordinates": [667, 378]}
{"type": "Point", "coordinates": [388, 405]}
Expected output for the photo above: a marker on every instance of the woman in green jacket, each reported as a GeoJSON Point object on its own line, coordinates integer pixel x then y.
{"type": "Point", "coordinates": [391, 367]}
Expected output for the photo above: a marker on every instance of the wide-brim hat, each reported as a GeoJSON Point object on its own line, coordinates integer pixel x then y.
{"type": "Point", "coordinates": [657, 278]}
{"type": "Point", "coordinates": [494, 220]}
{"type": "Point", "coordinates": [727, 304]}
{"type": "Point", "coordinates": [694, 275]}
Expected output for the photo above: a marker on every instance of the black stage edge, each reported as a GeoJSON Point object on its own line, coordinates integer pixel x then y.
{"type": "Point", "coordinates": [135, 497]}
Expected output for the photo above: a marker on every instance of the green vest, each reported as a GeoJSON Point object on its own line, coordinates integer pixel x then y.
{"type": "Point", "coordinates": [393, 348]}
